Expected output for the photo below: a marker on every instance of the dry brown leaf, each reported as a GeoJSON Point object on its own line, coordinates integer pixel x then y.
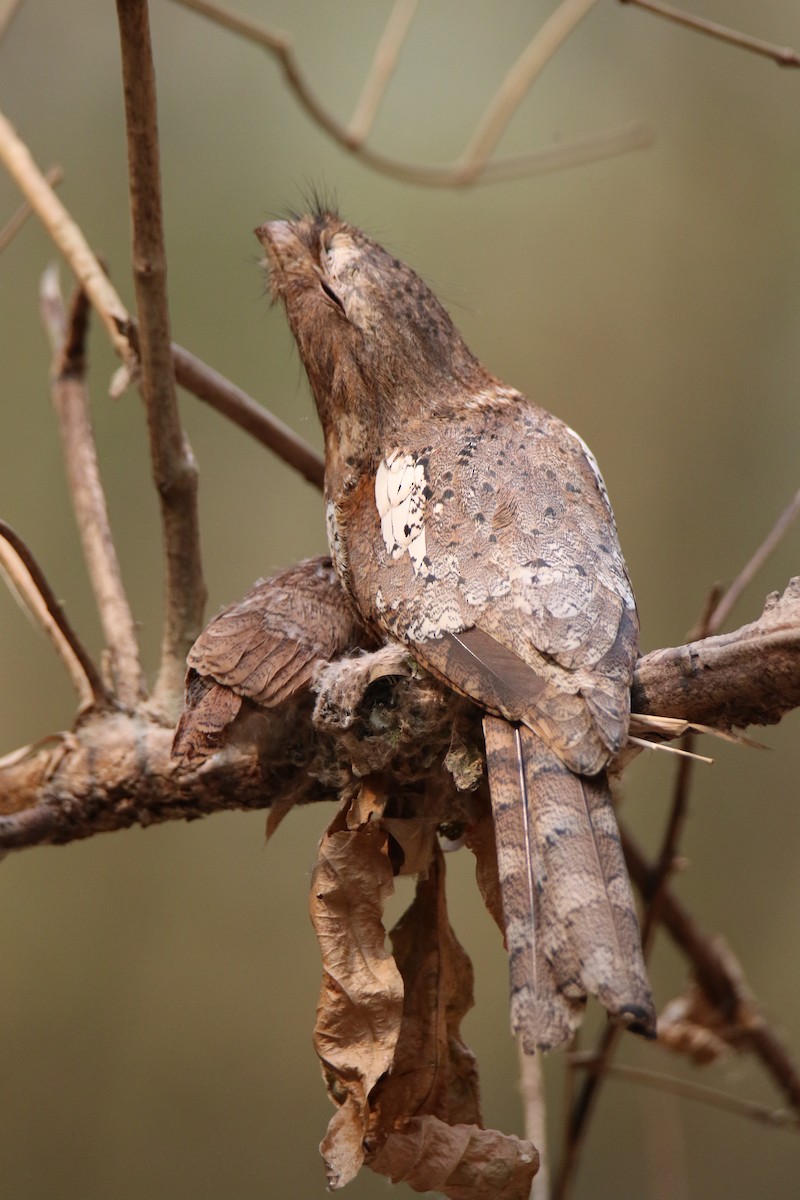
{"type": "Point", "coordinates": [361, 999]}
{"type": "Point", "coordinates": [416, 838]}
{"type": "Point", "coordinates": [463, 1162]}
{"type": "Point", "coordinates": [434, 1072]}
{"type": "Point", "coordinates": [481, 841]}
{"type": "Point", "coordinates": [693, 1025]}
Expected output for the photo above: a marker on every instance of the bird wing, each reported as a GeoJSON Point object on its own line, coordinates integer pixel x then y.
{"type": "Point", "coordinates": [489, 547]}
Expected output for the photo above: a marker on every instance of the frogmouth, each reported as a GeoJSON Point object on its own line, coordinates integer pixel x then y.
{"type": "Point", "coordinates": [471, 525]}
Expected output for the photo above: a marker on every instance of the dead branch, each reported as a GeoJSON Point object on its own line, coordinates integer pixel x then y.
{"type": "Point", "coordinates": [208, 385]}
{"type": "Point", "coordinates": [74, 802]}
{"type": "Point", "coordinates": [17, 220]}
{"type": "Point", "coordinates": [174, 467]}
{"type": "Point", "coordinates": [518, 82]}
{"type": "Point", "coordinates": [748, 677]}
{"type": "Point", "coordinates": [715, 971]}
{"type": "Point", "coordinates": [782, 55]}
{"type": "Point", "coordinates": [66, 235]}
{"type": "Point", "coordinates": [384, 62]}
{"type": "Point", "coordinates": [779, 1118]}
{"type": "Point", "coordinates": [30, 583]}
{"type": "Point", "coordinates": [71, 403]}
{"type": "Point", "coordinates": [723, 608]}
{"type": "Point", "coordinates": [458, 174]}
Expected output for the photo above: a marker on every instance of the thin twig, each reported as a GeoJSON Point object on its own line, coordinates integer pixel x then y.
{"type": "Point", "coordinates": [382, 69]}
{"type": "Point", "coordinates": [713, 973]}
{"type": "Point", "coordinates": [30, 583]}
{"type": "Point", "coordinates": [577, 1116]}
{"type": "Point", "coordinates": [555, 158]}
{"type": "Point", "coordinates": [17, 220]}
{"type": "Point", "coordinates": [12, 9]}
{"type": "Point", "coordinates": [71, 402]}
{"type": "Point", "coordinates": [174, 467]}
{"type": "Point", "coordinates": [530, 64]}
{"type": "Point", "coordinates": [208, 385]}
{"type": "Point", "coordinates": [581, 1110]}
{"type": "Point", "coordinates": [780, 1118]}
{"type": "Point", "coordinates": [782, 55]}
{"type": "Point", "coordinates": [750, 569]}
{"type": "Point", "coordinates": [534, 1107]}
{"type": "Point", "coordinates": [67, 236]}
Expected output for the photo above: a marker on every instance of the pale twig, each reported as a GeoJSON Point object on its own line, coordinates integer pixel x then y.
{"type": "Point", "coordinates": [534, 58]}
{"type": "Point", "coordinates": [17, 220]}
{"type": "Point", "coordinates": [174, 467]}
{"type": "Point", "coordinates": [67, 237]}
{"type": "Point", "coordinates": [208, 385]}
{"type": "Point", "coordinates": [780, 1118]}
{"type": "Point", "coordinates": [784, 56]}
{"type": "Point", "coordinates": [581, 1110]}
{"type": "Point", "coordinates": [71, 403]}
{"type": "Point", "coordinates": [534, 1107]}
{"type": "Point", "coordinates": [382, 69]}
{"type": "Point", "coordinates": [714, 973]}
{"type": "Point", "coordinates": [192, 374]}
{"type": "Point", "coordinates": [723, 609]}
{"type": "Point", "coordinates": [30, 584]}
{"type": "Point", "coordinates": [12, 8]}
{"type": "Point", "coordinates": [553, 158]}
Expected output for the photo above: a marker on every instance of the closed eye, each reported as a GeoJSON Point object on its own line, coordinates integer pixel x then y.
{"type": "Point", "coordinates": [331, 294]}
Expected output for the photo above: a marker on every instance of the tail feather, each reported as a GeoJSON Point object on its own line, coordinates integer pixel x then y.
{"type": "Point", "coordinates": [571, 924]}
{"type": "Point", "coordinates": [542, 1013]}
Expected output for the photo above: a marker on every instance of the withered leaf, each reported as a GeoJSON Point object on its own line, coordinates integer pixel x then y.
{"type": "Point", "coordinates": [361, 999]}
{"type": "Point", "coordinates": [463, 1162]}
{"type": "Point", "coordinates": [481, 841]}
{"type": "Point", "coordinates": [434, 1072]}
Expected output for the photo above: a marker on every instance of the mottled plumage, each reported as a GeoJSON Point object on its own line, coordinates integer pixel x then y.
{"type": "Point", "coordinates": [474, 527]}
{"type": "Point", "coordinates": [262, 650]}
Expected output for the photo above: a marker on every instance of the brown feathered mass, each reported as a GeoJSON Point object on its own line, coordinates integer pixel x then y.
{"type": "Point", "coordinates": [473, 526]}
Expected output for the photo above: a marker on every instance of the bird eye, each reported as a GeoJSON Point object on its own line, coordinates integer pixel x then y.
{"type": "Point", "coordinates": [331, 294]}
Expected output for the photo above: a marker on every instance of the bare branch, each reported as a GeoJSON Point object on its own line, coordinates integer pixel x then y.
{"type": "Point", "coordinates": [174, 467]}
{"type": "Point", "coordinates": [15, 222]}
{"type": "Point", "coordinates": [428, 734]}
{"type": "Point", "coordinates": [208, 385]}
{"type": "Point", "coordinates": [67, 236]}
{"type": "Point", "coordinates": [382, 69]}
{"type": "Point", "coordinates": [712, 969]}
{"type": "Point", "coordinates": [30, 583]}
{"type": "Point", "coordinates": [116, 772]}
{"type": "Point", "coordinates": [782, 55]}
{"type": "Point", "coordinates": [12, 9]}
{"type": "Point", "coordinates": [748, 677]}
{"type": "Point", "coordinates": [777, 1117]}
{"type": "Point", "coordinates": [534, 1107]}
{"type": "Point", "coordinates": [70, 400]}
{"type": "Point", "coordinates": [748, 572]}
{"type": "Point", "coordinates": [554, 158]}
{"type": "Point", "coordinates": [534, 58]}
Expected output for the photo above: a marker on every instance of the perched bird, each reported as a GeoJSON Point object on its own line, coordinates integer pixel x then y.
{"type": "Point", "coordinates": [474, 527]}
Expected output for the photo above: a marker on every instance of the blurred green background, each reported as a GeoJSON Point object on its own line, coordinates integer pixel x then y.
{"type": "Point", "coordinates": [158, 988]}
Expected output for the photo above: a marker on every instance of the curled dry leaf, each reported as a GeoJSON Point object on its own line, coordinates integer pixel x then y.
{"type": "Point", "coordinates": [434, 1072]}
{"type": "Point", "coordinates": [692, 1024]}
{"type": "Point", "coordinates": [361, 999]}
{"type": "Point", "coordinates": [481, 841]}
{"type": "Point", "coordinates": [463, 1162]}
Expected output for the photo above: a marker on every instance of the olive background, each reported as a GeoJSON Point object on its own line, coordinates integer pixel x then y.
{"type": "Point", "coordinates": [158, 987]}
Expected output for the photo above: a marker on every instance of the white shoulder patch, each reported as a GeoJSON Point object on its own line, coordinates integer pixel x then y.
{"type": "Point", "coordinates": [401, 491]}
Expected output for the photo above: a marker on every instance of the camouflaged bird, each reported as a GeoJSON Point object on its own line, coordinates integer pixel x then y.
{"type": "Point", "coordinates": [475, 528]}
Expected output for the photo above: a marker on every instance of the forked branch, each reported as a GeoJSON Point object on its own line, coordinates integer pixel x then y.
{"type": "Point", "coordinates": [174, 467]}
